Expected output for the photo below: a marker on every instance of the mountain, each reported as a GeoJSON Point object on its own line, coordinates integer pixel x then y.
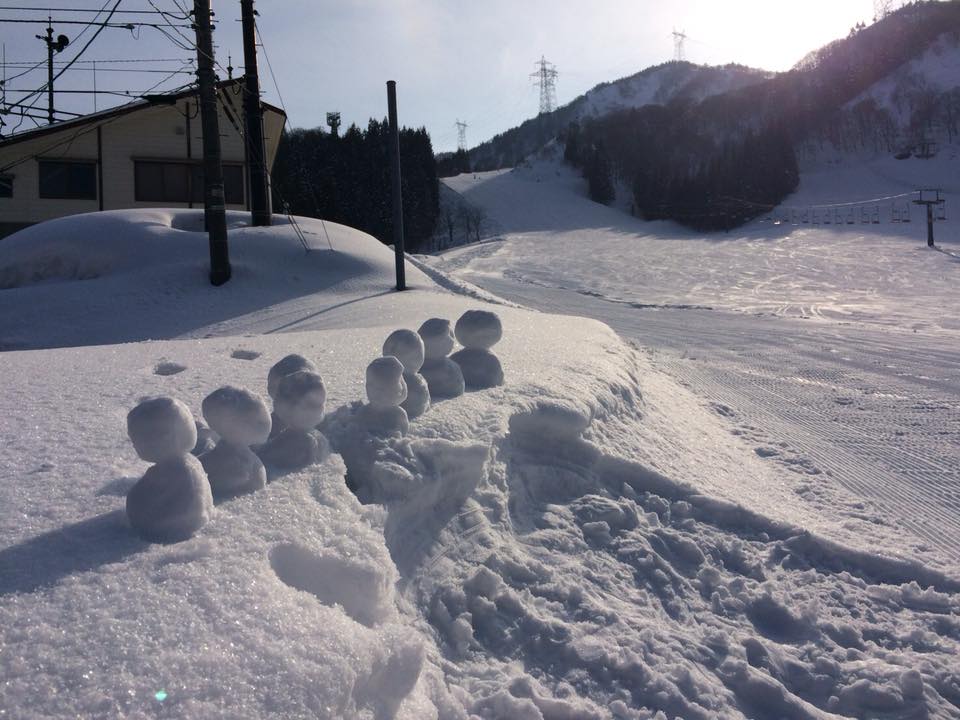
{"type": "Point", "coordinates": [658, 85]}
{"type": "Point", "coordinates": [891, 88]}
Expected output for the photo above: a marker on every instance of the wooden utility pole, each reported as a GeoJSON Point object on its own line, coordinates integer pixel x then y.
{"type": "Point", "coordinates": [214, 207]}
{"type": "Point", "coordinates": [253, 117]}
{"type": "Point", "coordinates": [394, 146]}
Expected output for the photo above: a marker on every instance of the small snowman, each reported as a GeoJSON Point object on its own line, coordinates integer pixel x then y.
{"type": "Point", "coordinates": [443, 376]}
{"type": "Point", "coordinates": [386, 390]}
{"type": "Point", "coordinates": [172, 500]}
{"type": "Point", "coordinates": [407, 347]}
{"type": "Point", "coordinates": [286, 366]}
{"type": "Point", "coordinates": [478, 331]}
{"type": "Point", "coordinates": [241, 419]}
{"type": "Point", "coordinates": [298, 404]}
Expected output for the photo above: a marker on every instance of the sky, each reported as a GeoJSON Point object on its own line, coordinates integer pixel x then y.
{"type": "Point", "coordinates": [452, 59]}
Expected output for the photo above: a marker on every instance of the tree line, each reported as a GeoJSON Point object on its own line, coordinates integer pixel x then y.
{"type": "Point", "coordinates": [346, 178]}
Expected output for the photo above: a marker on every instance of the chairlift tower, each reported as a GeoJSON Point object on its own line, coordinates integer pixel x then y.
{"type": "Point", "coordinates": [461, 135]}
{"type": "Point", "coordinates": [545, 78]}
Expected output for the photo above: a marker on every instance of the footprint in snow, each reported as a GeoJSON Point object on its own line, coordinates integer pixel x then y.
{"type": "Point", "coordinates": [168, 368]}
{"type": "Point", "coordinates": [244, 355]}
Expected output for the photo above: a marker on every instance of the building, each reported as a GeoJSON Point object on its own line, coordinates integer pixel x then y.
{"type": "Point", "coordinates": [148, 153]}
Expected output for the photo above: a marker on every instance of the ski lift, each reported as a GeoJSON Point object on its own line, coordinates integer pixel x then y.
{"type": "Point", "coordinates": [905, 214]}
{"type": "Point", "coordinates": [942, 210]}
{"type": "Point", "coordinates": [838, 217]}
{"type": "Point", "coordinates": [805, 217]}
{"type": "Point", "coordinates": [826, 217]}
{"type": "Point", "coordinates": [850, 217]}
{"type": "Point", "coordinates": [894, 214]}
{"type": "Point", "coordinates": [876, 215]}
{"type": "Point", "coordinates": [816, 218]}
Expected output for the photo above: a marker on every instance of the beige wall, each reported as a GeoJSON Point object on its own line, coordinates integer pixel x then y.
{"type": "Point", "coordinates": [155, 132]}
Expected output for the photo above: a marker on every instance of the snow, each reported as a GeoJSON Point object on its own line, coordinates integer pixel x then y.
{"type": "Point", "coordinates": [660, 85]}
{"type": "Point", "coordinates": [437, 338]}
{"type": "Point", "coordinates": [589, 539]}
{"type": "Point", "coordinates": [237, 415]}
{"type": "Point", "coordinates": [385, 385]}
{"type": "Point", "coordinates": [286, 366]}
{"type": "Point", "coordinates": [171, 501]}
{"type": "Point", "coordinates": [299, 400]}
{"type": "Point", "coordinates": [480, 368]}
{"type": "Point", "coordinates": [407, 346]}
{"type": "Point", "coordinates": [233, 470]}
{"type": "Point", "coordinates": [478, 329]}
{"type": "Point", "coordinates": [161, 428]}
{"type": "Point", "coordinates": [418, 395]}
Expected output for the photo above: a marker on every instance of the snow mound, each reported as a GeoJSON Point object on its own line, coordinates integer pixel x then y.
{"type": "Point", "coordinates": [171, 501]}
{"type": "Point", "coordinates": [437, 338]}
{"type": "Point", "coordinates": [233, 470]}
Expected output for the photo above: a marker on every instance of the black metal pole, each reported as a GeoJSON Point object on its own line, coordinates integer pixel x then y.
{"type": "Point", "coordinates": [929, 224]}
{"type": "Point", "coordinates": [214, 208]}
{"type": "Point", "coordinates": [394, 143]}
{"type": "Point", "coordinates": [253, 118]}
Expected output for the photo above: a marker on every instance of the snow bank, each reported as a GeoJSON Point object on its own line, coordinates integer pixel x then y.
{"type": "Point", "coordinates": [581, 541]}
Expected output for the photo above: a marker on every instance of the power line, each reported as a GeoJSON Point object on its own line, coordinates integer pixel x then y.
{"type": "Point", "coordinates": [75, 58]}
{"type": "Point", "coordinates": [78, 10]}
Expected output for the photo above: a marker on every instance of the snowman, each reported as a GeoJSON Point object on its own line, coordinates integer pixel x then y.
{"type": "Point", "coordinates": [443, 376]}
{"type": "Point", "coordinates": [286, 366]}
{"type": "Point", "coordinates": [478, 331]}
{"type": "Point", "coordinates": [407, 346]}
{"type": "Point", "coordinates": [241, 419]}
{"type": "Point", "coordinates": [172, 500]}
{"type": "Point", "coordinates": [298, 405]}
{"type": "Point", "coordinates": [386, 390]}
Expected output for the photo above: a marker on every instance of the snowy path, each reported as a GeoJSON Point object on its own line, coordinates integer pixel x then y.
{"type": "Point", "coordinates": [876, 411]}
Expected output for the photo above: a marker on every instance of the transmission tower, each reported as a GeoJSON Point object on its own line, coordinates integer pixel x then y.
{"type": "Point", "coordinates": [461, 135]}
{"type": "Point", "coordinates": [546, 79]}
{"type": "Point", "coordinates": [333, 120]}
{"type": "Point", "coordinates": [679, 38]}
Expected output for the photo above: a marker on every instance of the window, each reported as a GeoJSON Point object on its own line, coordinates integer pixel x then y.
{"type": "Point", "coordinates": [68, 179]}
{"type": "Point", "coordinates": [171, 181]}
{"type": "Point", "coordinates": [6, 186]}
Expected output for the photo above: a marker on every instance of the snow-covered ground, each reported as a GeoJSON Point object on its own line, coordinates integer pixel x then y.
{"type": "Point", "coordinates": [589, 540]}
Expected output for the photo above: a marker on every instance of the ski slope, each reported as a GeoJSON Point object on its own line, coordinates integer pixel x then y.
{"type": "Point", "coordinates": [832, 352]}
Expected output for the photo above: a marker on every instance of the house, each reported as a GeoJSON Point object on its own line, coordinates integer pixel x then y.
{"type": "Point", "coordinates": [148, 153]}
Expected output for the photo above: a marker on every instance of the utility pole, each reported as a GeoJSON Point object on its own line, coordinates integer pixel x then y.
{"type": "Point", "coordinates": [546, 78]}
{"type": "Point", "coordinates": [461, 135]}
{"type": "Point", "coordinates": [394, 147]}
{"type": "Point", "coordinates": [52, 46]}
{"type": "Point", "coordinates": [214, 209]}
{"type": "Point", "coordinates": [253, 114]}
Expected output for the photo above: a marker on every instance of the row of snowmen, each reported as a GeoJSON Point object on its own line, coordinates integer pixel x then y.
{"type": "Point", "coordinates": [196, 463]}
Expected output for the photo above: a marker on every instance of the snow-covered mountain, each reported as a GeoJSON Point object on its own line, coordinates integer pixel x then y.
{"type": "Point", "coordinates": [657, 85]}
